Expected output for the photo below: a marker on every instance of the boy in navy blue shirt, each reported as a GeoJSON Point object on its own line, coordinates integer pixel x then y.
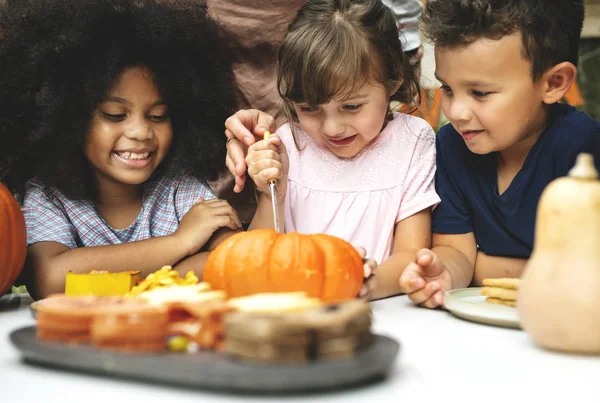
{"type": "Point", "coordinates": [504, 66]}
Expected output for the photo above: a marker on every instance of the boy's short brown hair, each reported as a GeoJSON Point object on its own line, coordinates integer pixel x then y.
{"type": "Point", "coordinates": [550, 29]}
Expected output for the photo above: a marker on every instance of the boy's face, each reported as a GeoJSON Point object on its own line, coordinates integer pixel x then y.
{"type": "Point", "coordinates": [489, 95]}
{"type": "Point", "coordinates": [130, 134]}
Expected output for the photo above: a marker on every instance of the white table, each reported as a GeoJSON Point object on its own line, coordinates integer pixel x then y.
{"type": "Point", "coordinates": [442, 358]}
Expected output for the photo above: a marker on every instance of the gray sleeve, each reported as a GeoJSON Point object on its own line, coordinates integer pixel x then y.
{"type": "Point", "coordinates": [407, 14]}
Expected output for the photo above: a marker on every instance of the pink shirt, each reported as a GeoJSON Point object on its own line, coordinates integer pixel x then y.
{"type": "Point", "coordinates": [360, 199]}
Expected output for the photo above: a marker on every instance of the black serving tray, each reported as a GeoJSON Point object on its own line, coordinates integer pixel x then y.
{"type": "Point", "coordinates": [213, 370]}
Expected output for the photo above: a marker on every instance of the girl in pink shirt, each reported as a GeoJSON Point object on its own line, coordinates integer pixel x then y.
{"type": "Point", "coordinates": [345, 164]}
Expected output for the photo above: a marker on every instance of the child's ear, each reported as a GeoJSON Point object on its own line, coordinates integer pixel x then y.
{"type": "Point", "coordinates": [558, 81]}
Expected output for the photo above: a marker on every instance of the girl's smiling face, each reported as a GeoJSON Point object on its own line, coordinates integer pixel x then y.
{"type": "Point", "coordinates": [347, 126]}
{"type": "Point", "coordinates": [130, 132]}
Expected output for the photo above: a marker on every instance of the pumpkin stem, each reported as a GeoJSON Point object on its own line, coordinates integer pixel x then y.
{"type": "Point", "coordinates": [584, 168]}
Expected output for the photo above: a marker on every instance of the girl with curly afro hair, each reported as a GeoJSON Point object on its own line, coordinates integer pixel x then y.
{"type": "Point", "coordinates": [111, 124]}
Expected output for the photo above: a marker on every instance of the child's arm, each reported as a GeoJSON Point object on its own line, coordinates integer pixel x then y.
{"type": "Point", "coordinates": [263, 218]}
{"type": "Point", "coordinates": [410, 235]}
{"type": "Point", "coordinates": [50, 261]}
{"type": "Point", "coordinates": [450, 263]}
{"type": "Point", "coordinates": [497, 267]}
{"type": "Point", "coordinates": [453, 262]}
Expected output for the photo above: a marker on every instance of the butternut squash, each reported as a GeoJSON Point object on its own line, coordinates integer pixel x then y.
{"type": "Point", "coordinates": [559, 296]}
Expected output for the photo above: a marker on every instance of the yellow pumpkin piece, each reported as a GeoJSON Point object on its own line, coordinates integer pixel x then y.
{"type": "Point", "coordinates": [100, 283]}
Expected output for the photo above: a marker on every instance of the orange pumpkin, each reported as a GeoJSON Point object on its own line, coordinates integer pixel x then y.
{"type": "Point", "coordinates": [13, 240]}
{"type": "Point", "coordinates": [264, 260]}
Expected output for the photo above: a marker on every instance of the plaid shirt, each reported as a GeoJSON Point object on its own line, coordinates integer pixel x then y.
{"type": "Point", "coordinates": [55, 218]}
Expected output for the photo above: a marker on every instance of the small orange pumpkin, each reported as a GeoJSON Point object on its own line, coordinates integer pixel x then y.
{"type": "Point", "coordinates": [264, 260]}
{"type": "Point", "coordinates": [13, 240]}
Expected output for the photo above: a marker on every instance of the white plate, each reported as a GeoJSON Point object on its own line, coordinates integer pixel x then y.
{"type": "Point", "coordinates": [468, 303]}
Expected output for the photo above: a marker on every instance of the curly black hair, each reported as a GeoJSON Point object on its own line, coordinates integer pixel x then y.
{"type": "Point", "coordinates": [58, 58]}
{"type": "Point", "coordinates": [550, 29]}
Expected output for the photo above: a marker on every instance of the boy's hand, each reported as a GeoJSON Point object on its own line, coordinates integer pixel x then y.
{"type": "Point", "coordinates": [202, 220]}
{"type": "Point", "coordinates": [426, 279]}
{"type": "Point", "coordinates": [242, 129]}
{"type": "Point", "coordinates": [267, 159]}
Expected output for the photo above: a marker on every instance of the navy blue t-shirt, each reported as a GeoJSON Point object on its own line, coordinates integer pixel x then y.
{"type": "Point", "coordinates": [467, 183]}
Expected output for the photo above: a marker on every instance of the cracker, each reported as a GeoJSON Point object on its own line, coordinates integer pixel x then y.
{"type": "Point", "coordinates": [509, 283]}
{"type": "Point", "coordinates": [501, 293]}
{"type": "Point", "coordinates": [499, 301]}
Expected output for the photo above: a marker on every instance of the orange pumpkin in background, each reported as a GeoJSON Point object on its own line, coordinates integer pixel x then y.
{"type": "Point", "coordinates": [13, 240]}
{"type": "Point", "coordinates": [264, 260]}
